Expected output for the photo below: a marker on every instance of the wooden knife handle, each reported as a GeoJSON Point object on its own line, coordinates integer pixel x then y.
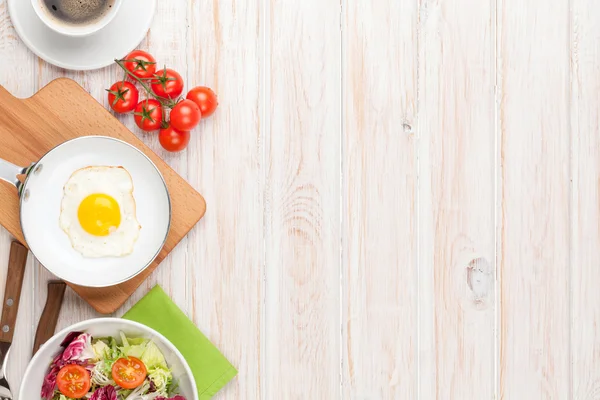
{"type": "Point", "coordinates": [12, 293]}
{"type": "Point", "coordinates": [49, 318]}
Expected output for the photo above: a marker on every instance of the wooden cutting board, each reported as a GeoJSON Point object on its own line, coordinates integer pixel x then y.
{"type": "Point", "coordinates": [63, 110]}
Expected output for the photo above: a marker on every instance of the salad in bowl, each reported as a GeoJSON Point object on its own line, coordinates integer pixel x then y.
{"type": "Point", "coordinates": [118, 363]}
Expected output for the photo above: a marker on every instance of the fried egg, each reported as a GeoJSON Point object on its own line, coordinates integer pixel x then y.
{"type": "Point", "coordinates": [98, 212]}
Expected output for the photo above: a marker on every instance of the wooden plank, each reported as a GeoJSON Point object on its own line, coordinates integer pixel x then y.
{"type": "Point", "coordinates": [379, 200]}
{"type": "Point", "coordinates": [16, 66]}
{"type": "Point", "coordinates": [302, 200]}
{"type": "Point", "coordinates": [167, 42]}
{"type": "Point", "coordinates": [533, 62]}
{"type": "Point", "coordinates": [225, 255]}
{"type": "Point", "coordinates": [13, 74]}
{"type": "Point", "coordinates": [585, 241]}
{"type": "Point", "coordinates": [456, 200]}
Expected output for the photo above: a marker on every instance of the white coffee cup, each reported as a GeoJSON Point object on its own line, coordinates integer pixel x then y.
{"type": "Point", "coordinates": [71, 29]}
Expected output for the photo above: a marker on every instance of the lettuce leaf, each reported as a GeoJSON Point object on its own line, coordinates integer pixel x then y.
{"type": "Point", "coordinates": [161, 378]}
{"type": "Point", "coordinates": [153, 357]}
{"type": "Point", "coordinates": [134, 341]}
{"type": "Point", "coordinates": [60, 396]}
{"type": "Point", "coordinates": [135, 350]}
{"type": "Point", "coordinates": [100, 349]}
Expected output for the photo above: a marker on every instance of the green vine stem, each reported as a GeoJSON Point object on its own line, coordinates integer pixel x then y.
{"type": "Point", "coordinates": [163, 102]}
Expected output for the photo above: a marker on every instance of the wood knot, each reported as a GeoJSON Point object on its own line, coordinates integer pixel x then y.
{"type": "Point", "coordinates": [480, 279]}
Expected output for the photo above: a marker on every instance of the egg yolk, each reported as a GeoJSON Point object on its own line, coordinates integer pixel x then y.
{"type": "Point", "coordinates": [99, 214]}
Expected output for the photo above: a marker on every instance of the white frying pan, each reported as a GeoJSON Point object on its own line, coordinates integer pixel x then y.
{"type": "Point", "coordinates": [40, 202]}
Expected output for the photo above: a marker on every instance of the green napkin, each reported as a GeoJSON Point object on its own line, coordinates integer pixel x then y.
{"type": "Point", "coordinates": [210, 368]}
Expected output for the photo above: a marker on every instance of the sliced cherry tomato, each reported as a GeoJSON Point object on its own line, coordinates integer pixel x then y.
{"type": "Point", "coordinates": [185, 115]}
{"type": "Point", "coordinates": [148, 115]}
{"type": "Point", "coordinates": [173, 140]}
{"type": "Point", "coordinates": [73, 381]}
{"type": "Point", "coordinates": [123, 97]}
{"type": "Point", "coordinates": [129, 372]}
{"type": "Point", "coordinates": [141, 64]}
{"type": "Point", "coordinates": [167, 84]}
{"type": "Point", "coordinates": [205, 98]}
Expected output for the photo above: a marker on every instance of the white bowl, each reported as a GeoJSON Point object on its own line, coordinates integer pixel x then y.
{"type": "Point", "coordinates": [102, 327]}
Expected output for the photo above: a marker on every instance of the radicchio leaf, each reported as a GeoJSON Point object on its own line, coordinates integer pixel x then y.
{"type": "Point", "coordinates": [57, 359]}
{"type": "Point", "coordinates": [79, 349]}
{"type": "Point", "coordinates": [105, 393]}
{"type": "Point", "coordinates": [69, 338]}
{"type": "Point", "coordinates": [49, 383]}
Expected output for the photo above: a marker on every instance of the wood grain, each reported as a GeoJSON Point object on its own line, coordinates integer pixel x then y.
{"type": "Point", "coordinates": [17, 74]}
{"type": "Point", "coordinates": [585, 206]}
{"type": "Point", "coordinates": [61, 111]}
{"type": "Point", "coordinates": [374, 171]}
{"type": "Point", "coordinates": [18, 67]}
{"type": "Point", "coordinates": [15, 275]}
{"type": "Point", "coordinates": [379, 256]}
{"type": "Point", "coordinates": [168, 43]}
{"type": "Point", "coordinates": [456, 200]}
{"type": "Point", "coordinates": [302, 200]}
{"type": "Point", "coordinates": [534, 73]}
{"type": "Point", "coordinates": [49, 318]}
{"type": "Point", "coordinates": [226, 163]}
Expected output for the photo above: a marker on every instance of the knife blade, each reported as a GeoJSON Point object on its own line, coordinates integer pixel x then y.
{"type": "Point", "coordinates": [12, 295]}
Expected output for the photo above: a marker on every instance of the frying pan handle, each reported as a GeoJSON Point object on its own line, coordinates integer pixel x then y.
{"type": "Point", "coordinates": [10, 171]}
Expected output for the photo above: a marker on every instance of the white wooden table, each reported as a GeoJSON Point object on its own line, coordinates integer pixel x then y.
{"type": "Point", "coordinates": [403, 195]}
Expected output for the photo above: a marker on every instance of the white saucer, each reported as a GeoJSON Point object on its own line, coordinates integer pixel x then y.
{"type": "Point", "coordinates": [116, 40]}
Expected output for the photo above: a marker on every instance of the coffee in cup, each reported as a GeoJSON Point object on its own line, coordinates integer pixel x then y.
{"type": "Point", "coordinates": [77, 12]}
{"type": "Point", "coordinates": [76, 17]}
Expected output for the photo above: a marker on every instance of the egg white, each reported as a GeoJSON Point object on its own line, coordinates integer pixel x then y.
{"type": "Point", "coordinates": [112, 181]}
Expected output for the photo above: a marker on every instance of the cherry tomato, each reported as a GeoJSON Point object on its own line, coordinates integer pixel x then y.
{"type": "Point", "coordinates": [148, 115]}
{"type": "Point", "coordinates": [167, 84]}
{"type": "Point", "coordinates": [73, 381]}
{"type": "Point", "coordinates": [205, 98]}
{"type": "Point", "coordinates": [185, 115]}
{"type": "Point", "coordinates": [141, 64]}
{"type": "Point", "coordinates": [123, 97]}
{"type": "Point", "coordinates": [129, 372]}
{"type": "Point", "coordinates": [173, 140]}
